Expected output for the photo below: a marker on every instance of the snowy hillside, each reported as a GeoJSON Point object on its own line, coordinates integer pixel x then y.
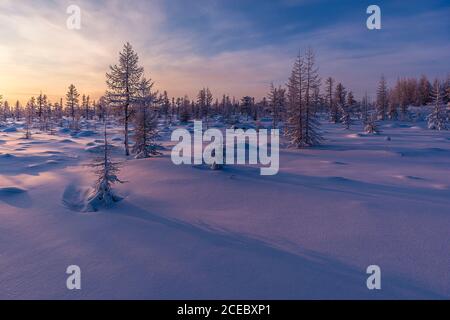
{"type": "Point", "coordinates": [188, 232]}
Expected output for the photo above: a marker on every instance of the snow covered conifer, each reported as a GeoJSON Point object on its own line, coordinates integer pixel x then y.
{"type": "Point", "coordinates": [6, 110]}
{"type": "Point", "coordinates": [294, 126]}
{"type": "Point", "coordinates": [17, 111]}
{"type": "Point", "coordinates": [351, 102]}
{"type": "Point", "coordinates": [41, 105]}
{"type": "Point", "coordinates": [346, 118]}
{"type": "Point", "coordinates": [276, 99]}
{"type": "Point", "coordinates": [272, 97]}
{"type": "Point", "coordinates": [371, 126]}
{"type": "Point", "coordinates": [72, 100]}
{"type": "Point", "coordinates": [185, 114]}
{"type": "Point", "coordinates": [165, 106]}
{"type": "Point", "coordinates": [340, 97]}
{"type": "Point", "coordinates": [365, 108]}
{"type": "Point", "coordinates": [207, 107]}
{"type": "Point", "coordinates": [332, 108]}
{"type": "Point", "coordinates": [393, 105]}
{"type": "Point", "coordinates": [447, 90]}
{"type": "Point", "coordinates": [123, 82]}
{"type": "Point", "coordinates": [312, 83]}
{"type": "Point", "coordinates": [437, 120]}
{"type": "Point", "coordinates": [424, 91]}
{"type": "Point", "coordinates": [2, 114]}
{"type": "Point", "coordinates": [200, 103]}
{"type": "Point", "coordinates": [85, 105]}
{"type": "Point", "coordinates": [382, 98]}
{"type": "Point", "coordinates": [28, 120]}
{"type": "Point", "coordinates": [246, 106]}
{"type": "Point", "coordinates": [106, 171]}
{"type": "Point", "coordinates": [145, 122]}
{"type": "Point", "coordinates": [49, 116]}
{"type": "Point", "coordinates": [302, 126]}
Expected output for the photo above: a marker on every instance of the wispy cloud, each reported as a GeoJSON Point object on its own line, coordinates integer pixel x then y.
{"type": "Point", "coordinates": [234, 47]}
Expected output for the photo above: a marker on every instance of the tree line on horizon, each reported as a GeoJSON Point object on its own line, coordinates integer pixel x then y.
{"type": "Point", "coordinates": [295, 105]}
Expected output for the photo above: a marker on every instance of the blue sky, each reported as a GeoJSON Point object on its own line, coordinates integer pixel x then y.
{"type": "Point", "coordinates": [234, 47]}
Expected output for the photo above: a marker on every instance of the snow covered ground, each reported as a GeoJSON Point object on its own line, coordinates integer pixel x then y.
{"type": "Point", "coordinates": [186, 232]}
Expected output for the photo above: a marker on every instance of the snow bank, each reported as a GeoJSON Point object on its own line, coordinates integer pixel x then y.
{"type": "Point", "coordinates": [66, 141]}
{"type": "Point", "coordinates": [76, 198]}
{"type": "Point", "coordinates": [100, 148]}
{"type": "Point", "coordinates": [11, 191]}
{"type": "Point", "coordinates": [84, 199]}
{"type": "Point", "coordinates": [10, 129]}
{"type": "Point", "coordinates": [84, 134]}
{"type": "Point", "coordinates": [188, 232]}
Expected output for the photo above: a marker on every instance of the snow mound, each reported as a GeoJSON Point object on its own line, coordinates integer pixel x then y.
{"type": "Point", "coordinates": [66, 141]}
{"type": "Point", "coordinates": [427, 152]}
{"type": "Point", "coordinates": [83, 199]}
{"type": "Point", "coordinates": [76, 198]}
{"type": "Point", "coordinates": [7, 156]}
{"type": "Point", "coordinates": [83, 134]}
{"type": "Point", "coordinates": [339, 179]}
{"type": "Point", "coordinates": [340, 163]}
{"type": "Point", "coordinates": [100, 148]}
{"type": "Point", "coordinates": [10, 129]}
{"type": "Point", "coordinates": [27, 142]}
{"type": "Point", "coordinates": [64, 130]}
{"type": "Point", "coordinates": [397, 125]}
{"type": "Point", "coordinates": [409, 177]}
{"type": "Point", "coordinates": [10, 191]}
{"type": "Point", "coordinates": [42, 164]}
{"type": "Point", "coordinates": [355, 135]}
{"type": "Point", "coordinates": [439, 186]}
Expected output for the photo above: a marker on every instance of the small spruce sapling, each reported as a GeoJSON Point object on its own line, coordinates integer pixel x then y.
{"type": "Point", "coordinates": [371, 126]}
{"type": "Point", "coordinates": [106, 171]}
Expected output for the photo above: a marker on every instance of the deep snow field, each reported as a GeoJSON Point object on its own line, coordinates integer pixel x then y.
{"type": "Point", "coordinates": [187, 232]}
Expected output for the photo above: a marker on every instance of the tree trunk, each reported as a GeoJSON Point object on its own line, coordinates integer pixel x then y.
{"type": "Point", "coordinates": [127, 149]}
